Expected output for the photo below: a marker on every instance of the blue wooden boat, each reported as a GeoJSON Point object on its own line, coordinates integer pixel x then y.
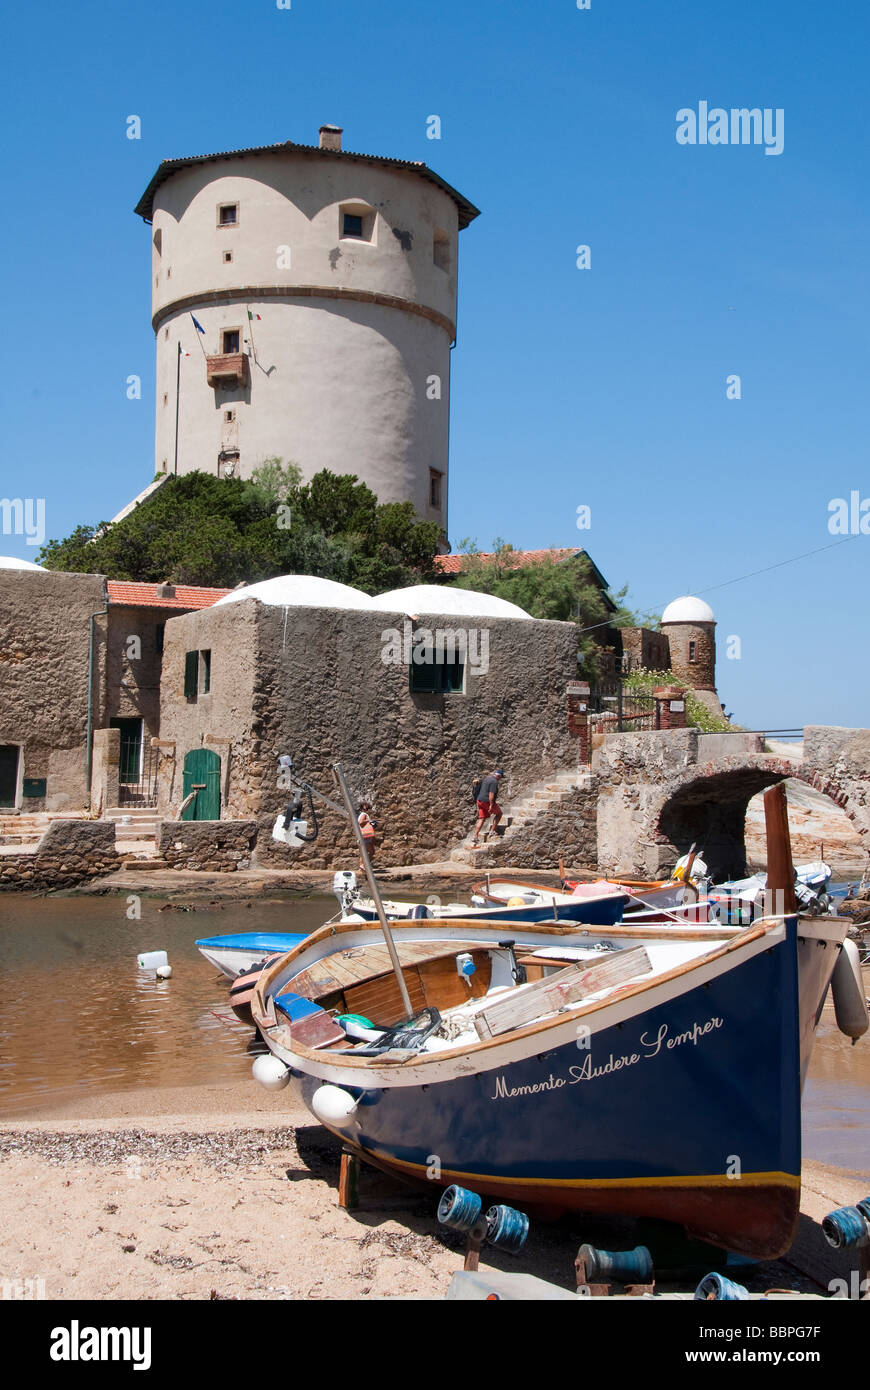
{"type": "Point", "coordinates": [650, 1071]}
{"type": "Point", "coordinates": [237, 953]}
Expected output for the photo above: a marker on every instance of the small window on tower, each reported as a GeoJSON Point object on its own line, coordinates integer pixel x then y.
{"type": "Point", "coordinates": [441, 250]}
{"type": "Point", "coordinates": [692, 656]}
{"type": "Point", "coordinates": [166, 335]}
{"type": "Point", "coordinates": [229, 416]}
{"type": "Point", "coordinates": [356, 222]}
{"type": "Point", "coordinates": [228, 215]}
{"type": "Point", "coordinates": [165, 398]}
{"type": "Point", "coordinates": [228, 256]}
{"type": "Point", "coordinates": [435, 488]}
{"type": "Point", "coordinates": [230, 340]}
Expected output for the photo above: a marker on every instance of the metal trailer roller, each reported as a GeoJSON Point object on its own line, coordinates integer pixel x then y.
{"type": "Point", "coordinates": [507, 1228]}
{"type": "Point", "coordinates": [616, 1266]}
{"type": "Point", "coordinates": [848, 1228]}
{"type": "Point", "coordinates": [459, 1209]}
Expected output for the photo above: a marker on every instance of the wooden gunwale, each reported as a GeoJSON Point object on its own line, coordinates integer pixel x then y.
{"type": "Point", "coordinates": [267, 1023]}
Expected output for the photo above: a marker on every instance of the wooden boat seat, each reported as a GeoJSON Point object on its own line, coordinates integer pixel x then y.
{"type": "Point", "coordinates": [363, 981]}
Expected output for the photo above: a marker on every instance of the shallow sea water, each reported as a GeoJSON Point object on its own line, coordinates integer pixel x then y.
{"type": "Point", "coordinates": [79, 1018]}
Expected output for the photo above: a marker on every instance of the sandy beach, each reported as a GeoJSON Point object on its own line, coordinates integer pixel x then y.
{"type": "Point", "coordinates": [226, 1192]}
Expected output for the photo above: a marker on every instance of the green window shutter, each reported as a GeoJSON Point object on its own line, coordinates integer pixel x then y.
{"type": "Point", "coordinates": [425, 678]}
{"type": "Point", "coordinates": [454, 672]}
{"type": "Point", "coordinates": [191, 675]}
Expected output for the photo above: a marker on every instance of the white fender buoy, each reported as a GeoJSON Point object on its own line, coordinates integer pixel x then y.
{"type": "Point", "coordinates": [164, 972]}
{"type": "Point", "coordinates": [333, 1105]}
{"type": "Point", "coordinates": [271, 1072]}
{"type": "Point", "coordinates": [847, 988]}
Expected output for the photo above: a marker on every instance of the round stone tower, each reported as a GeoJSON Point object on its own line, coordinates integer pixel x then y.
{"type": "Point", "coordinates": [323, 284]}
{"type": "Point", "coordinates": [690, 628]}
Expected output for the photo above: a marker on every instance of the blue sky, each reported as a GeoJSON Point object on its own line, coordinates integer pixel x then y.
{"type": "Point", "coordinates": [603, 387]}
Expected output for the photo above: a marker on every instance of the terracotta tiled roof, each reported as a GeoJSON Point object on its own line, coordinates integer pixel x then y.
{"type": "Point", "coordinates": [454, 564]}
{"type": "Point", "coordinates": [187, 596]}
{"type": "Point", "coordinates": [467, 211]}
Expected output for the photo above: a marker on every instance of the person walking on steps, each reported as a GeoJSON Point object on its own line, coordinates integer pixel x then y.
{"type": "Point", "coordinates": [487, 805]}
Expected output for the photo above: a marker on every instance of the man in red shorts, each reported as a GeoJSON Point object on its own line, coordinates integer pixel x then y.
{"type": "Point", "coordinates": [488, 806]}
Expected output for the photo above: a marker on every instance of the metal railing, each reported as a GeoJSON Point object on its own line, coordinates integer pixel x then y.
{"type": "Point", "coordinates": [137, 774]}
{"type": "Point", "coordinates": [615, 708]}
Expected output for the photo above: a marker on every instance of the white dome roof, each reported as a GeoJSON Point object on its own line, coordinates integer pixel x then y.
{"type": "Point", "coordinates": [300, 591]}
{"type": "Point", "coordinates": [688, 609]}
{"type": "Point", "coordinates": [11, 562]}
{"type": "Point", "coordinates": [421, 599]}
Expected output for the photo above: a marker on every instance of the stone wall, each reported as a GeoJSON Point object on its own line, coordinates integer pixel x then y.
{"type": "Point", "coordinates": [699, 674]}
{"type": "Point", "coordinates": [208, 845]}
{"type": "Point", "coordinates": [659, 792]}
{"type": "Point", "coordinates": [44, 628]}
{"type": "Point", "coordinates": [837, 762]}
{"type": "Point", "coordinates": [133, 668]}
{"type": "Point", "coordinates": [221, 719]}
{"type": "Point", "coordinates": [645, 648]}
{"type": "Point", "coordinates": [69, 852]}
{"type": "Point", "coordinates": [310, 682]}
{"type": "Point", "coordinates": [567, 829]}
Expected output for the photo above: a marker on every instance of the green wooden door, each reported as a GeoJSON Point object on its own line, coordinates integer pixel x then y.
{"type": "Point", "coordinates": [202, 774]}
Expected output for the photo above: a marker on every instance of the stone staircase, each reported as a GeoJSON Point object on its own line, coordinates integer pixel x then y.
{"type": "Point", "coordinates": [136, 829]}
{"type": "Point", "coordinates": [511, 845]}
{"type": "Point", "coordinates": [23, 832]}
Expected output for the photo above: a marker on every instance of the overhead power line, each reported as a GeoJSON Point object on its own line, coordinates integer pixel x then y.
{"type": "Point", "coordinates": [752, 574]}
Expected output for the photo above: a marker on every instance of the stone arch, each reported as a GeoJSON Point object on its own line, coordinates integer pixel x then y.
{"type": "Point", "coordinates": [707, 803]}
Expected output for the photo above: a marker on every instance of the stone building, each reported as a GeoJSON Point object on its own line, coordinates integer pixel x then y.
{"type": "Point", "coordinates": [690, 628]}
{"type": "Point", "coordinates": [685, 645]}
{"type": "Point", "coordinates": [321, 672]}
{"type": "Point", "coordinates": [324, 284]}
{"type": "Point", "coordinates": [80, 664]}
{"type": "Point", "coordinates": [45, 624]}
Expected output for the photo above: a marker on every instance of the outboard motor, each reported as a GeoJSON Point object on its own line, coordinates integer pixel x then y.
{"type": "Point", "coordinates": [344, 886]}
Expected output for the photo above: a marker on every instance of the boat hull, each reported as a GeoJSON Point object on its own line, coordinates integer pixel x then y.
{"type": "Point", "coordinates": [603, 911]}
{"type": "Point", "coordinates": [687, 1111]}
{"type": "Point", "coordinates": [237, 954]}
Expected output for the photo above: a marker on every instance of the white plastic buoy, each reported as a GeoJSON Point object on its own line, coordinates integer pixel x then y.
{"type": "Point", "coordinates": [271, 1072]}
{"type": "Point", "coordinates": [333, 1105]}
{"type": "Point", "coordinates": [152, 960]}
{"type": "Point", "coordinates": [164, 972]}
{"type": "Point", "coordinates": [847, 988]}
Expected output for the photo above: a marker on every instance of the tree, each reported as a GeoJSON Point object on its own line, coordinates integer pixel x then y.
{"type": "Point", "coordinates": [563, 590]}
{"type": "Point", "coordinates": [219, 532]}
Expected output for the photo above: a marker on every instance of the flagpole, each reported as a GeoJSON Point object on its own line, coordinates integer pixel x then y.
{"type": "Point", "coordinates": [177, 402]}
{"type": "Point", "coordinates": [199, 338]}
{"type": "Point", "coordinates": [251, 331]}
